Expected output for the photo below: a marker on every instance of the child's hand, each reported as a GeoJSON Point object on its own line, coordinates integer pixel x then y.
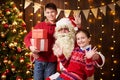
{"type": "Point", "coordinates": [89, 54]}
{"type": "Point", "coordinates": [57, 50]}
{"type": "Point", "coordinates": [34, 49]}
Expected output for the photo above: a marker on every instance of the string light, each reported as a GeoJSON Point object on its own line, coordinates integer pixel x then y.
{"type": "Point", "coordinates": [102, 3]}
{"type": "Point", "coordinates": [115, 61]}
{"type": "Point", "coordinates": [111, 48]}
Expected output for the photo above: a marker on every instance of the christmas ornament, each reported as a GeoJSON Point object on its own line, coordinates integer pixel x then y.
{"type": "Point", "coordinates": [3, 76]}
{"type": "Point", "coordinates": [13, 68]}
{"type": "Point", "coordinates": [7, 71]}
{"type": "Point", "coordinates": [19, 78]}
{"type": "Point", "coordinates": [29, 65]}
{"type": "Point", "coordinates": [11, 45]}
{"type": "Point", "coordinates": [8, 12]}
{"type": "Point", "coordinates": [11, 3]}
{"type": "Point", "coordinates": [21, 60]}
{"type": "Point", "coordinates": [9, 62]}
{"type": "Point", "coordinates": [2, 34]}
{"type": "Point", "coordinates": [5, 60]}
{"type": "Point", "coordinates": [3, 44]}
{"type": "Point", "coordinates": [27, 72]}
{"type": "Point", "coordinates": [14, 30]}
{"type": "Point", "coordinates": [19, 49]}
{"type": "Point", "coordinates": [23, 24]}
{"type": "Point", "coordinates": [3, 22]}
{"type": "Point", "coordinates": [14, 23]}
{"type": "Point", "coordinates": [5, 25]}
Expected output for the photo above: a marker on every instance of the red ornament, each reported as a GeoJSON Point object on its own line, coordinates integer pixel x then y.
{"type": "Point", "coordinates": [3, 44]}
{"type": "Point", "coordinates": [5, 60]}
{"type": "Point", "coordinates": [19, 49]}
{"type": "Point", "coordinates": [13, 68]}
{"type": "Point", "coordinates": [18, 78]}
{"type": "Point", "coordinates": [5, 25]}
{"type": "Point", "coordinates": [21, 60]}
{"type": "Point", "coordinates": [7, 70]}
{"type": "Point", "coordinates": [23, 24]}
{"type": "Point", "coordinates": [8, 11]}
{"type": "Point", "coordinates": [3, 76]}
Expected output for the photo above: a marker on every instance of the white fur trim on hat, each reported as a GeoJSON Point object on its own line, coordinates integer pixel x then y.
{"type": "Point", "coordinates": [64, 23]}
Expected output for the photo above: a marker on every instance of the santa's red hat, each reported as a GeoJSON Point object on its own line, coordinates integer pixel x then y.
{"type": "Point", "coordinates": [65, 23]}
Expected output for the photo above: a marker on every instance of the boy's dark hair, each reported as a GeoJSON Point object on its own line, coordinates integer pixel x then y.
{"type": "Point", "coordinates": [84, 31]}
{"type": "Point", "coordinates": [51, 6]}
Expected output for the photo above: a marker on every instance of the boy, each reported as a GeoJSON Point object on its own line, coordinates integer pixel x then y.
{"type": "Point", "coordinates": [45, 62]}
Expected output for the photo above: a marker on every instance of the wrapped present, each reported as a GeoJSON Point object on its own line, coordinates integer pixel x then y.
{"type": "Point", "coordinates": [40, 44]}
{"type": "Point", "coordinates": [39, 33]}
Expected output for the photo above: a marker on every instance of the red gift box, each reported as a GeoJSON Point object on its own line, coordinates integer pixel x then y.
{"type": "Point", "coordinates": [39, 33]}
{"type": "Point", "coordinates": [40, 44]}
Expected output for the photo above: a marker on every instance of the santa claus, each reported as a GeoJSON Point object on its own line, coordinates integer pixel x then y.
{"type": "Point", "coordinates": [65, 39]}
{"type": "Point", "coordinates": [65, 36]}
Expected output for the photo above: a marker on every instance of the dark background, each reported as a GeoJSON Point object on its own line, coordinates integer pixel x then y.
{"type": "Point", "coordinates": [110, 71]}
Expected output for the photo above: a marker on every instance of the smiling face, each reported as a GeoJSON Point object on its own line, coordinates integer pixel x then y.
{"type": "Point", "coordinates": [82, 39]}
{"type": "Point", "coordinates": [50, 14]}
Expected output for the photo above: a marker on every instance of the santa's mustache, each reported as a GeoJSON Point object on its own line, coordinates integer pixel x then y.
{"type": "Point", "coordinates": [60, 35]}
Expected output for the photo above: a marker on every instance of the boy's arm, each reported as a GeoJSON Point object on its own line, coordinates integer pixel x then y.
{"type": "Point", "coordinates": [27, 39]}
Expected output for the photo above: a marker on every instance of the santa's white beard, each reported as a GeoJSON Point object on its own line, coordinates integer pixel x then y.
{"type": "Point", "coordinates": [66, 42]}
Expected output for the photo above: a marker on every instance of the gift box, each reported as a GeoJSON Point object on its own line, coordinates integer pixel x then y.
{"type": "Point", "coordinates": [39, 33]}
{"type": "Point", "coordinates": [40, 44]}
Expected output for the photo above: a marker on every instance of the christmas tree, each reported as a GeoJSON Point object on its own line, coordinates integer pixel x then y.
{"type": "Point", "coordinates": [14, 57]}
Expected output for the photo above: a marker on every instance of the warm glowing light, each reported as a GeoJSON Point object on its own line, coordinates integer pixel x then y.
{"type": "Point", "coordinates": [114, 41]}
{"type": "Point", "coordinates": [90, 0]}
{"type": "Point", "coordinates": [112, 55]}
{"type": "Point", "coordinates": [101, 79]}
{"type": "Point", "coordinates": [90, 13]}
{"type": "Point", "coordinates": [102, 25]}
{"type": "Point", "coordinates": [88, 28]}
{"type": "Point", "coordinates": [99, 17]}
{"type": "Point", "coordinates": [78, 0]}
{"type": "Point", "coordinates": [102, 73]}
{"type": "Point", "coordinates": [103, 32]}
{"type": "Point", "coordinates": [78, 7]}
{"type": "Point", "coordinates": [112, 69]}
{"type": "Point", "coordinates": [38, 21]}
{"type": "Point", "coordinates": [31, 20]}
{"type": "Point", "coordinates": [99, 46]}
{"type": "Point", "coordinates": [112, 12]}
{"type": "Point", "coordinates": [101, 10]}
{"type": "Point", "coordinates": [112, 36]}
{"type": "Point", "coordinates": [100, 39]}
{"type": "Point", "coordinates": [91, 6]}
{"type": "Point", "coordinates": [111, 48]}
{"type": "Point", "coordinates": [113, 74]}
{"type": "Point", "coordinates": [101, 68]}
{"type": "Point", "coordinates": [31, 14]}
{"type": "Point", "coordinates": [39, 15]}
{"type": "Point", "coordinates": [90, 20]}
{"type": "Point", "coordinates": [116, 21]}
{"type": "Point", "coordinates": [102, 3]}
{"type": "Point", "coordinates": [66, 3]}
{"type": "Point", "coordinates": [113, 29]}
{"type": "Point", "coordinates": [112, 0]}
{"type": "Point", "coordinates": [115, 61]}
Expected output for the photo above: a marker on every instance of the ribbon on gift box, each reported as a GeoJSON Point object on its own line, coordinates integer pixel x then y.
{"type": "Point", "coordinates": [39, 33]}
{"type": "Point", "coordinates": [40, 44]}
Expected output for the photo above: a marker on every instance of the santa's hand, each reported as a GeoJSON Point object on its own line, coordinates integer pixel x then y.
{"type": "Point", "coordinates": [34, 49]}
{"type": "Point", "coordinates": [90, 53]}
{"type": "Point", "coordinates": [57, 50]}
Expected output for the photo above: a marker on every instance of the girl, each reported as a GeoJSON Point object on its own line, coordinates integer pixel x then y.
{"type": "Point", "coordinates": [83, 59]}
